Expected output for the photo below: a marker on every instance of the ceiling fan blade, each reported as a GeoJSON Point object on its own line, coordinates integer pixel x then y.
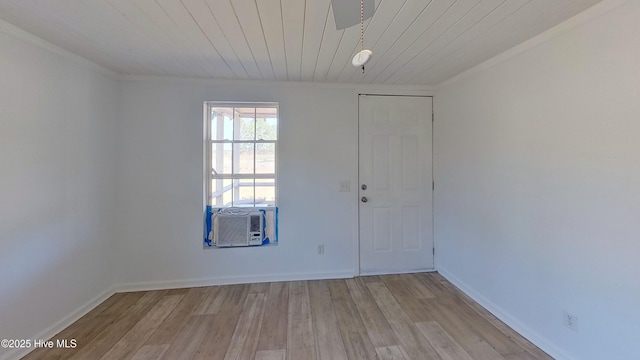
{"type": "Point", "coordinates": [347, 12]}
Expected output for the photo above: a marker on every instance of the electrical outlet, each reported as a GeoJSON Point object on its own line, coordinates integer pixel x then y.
{"type": "Point", "coordinates": [570, 320]}
{"type": "Point", "coordinates": [321, 249]}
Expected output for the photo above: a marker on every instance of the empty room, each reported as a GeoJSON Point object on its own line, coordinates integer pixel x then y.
{"type": "Point", "coordinates": [320, 179]}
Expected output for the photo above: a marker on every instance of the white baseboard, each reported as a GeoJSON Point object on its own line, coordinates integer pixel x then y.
{"type": "Point", "coordinates": [505, 317]}
{"type": "Point", "coordinates": [63, 323]}
{"type": "Point", "coordinates": [227, 280]}
{"type": "Point", "coordinates": [371, 273]}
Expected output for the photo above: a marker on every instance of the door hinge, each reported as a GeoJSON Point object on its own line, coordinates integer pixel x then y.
{"type": "Point", "coordinates": [432, 117]}
{"type": "Point", "coordinates": [433, 185]}
{"type": "Point", "coordinates": [434, 250]}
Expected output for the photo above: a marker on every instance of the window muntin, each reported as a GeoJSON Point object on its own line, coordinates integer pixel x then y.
{"type": "Point", "coordinates": [241, 154]}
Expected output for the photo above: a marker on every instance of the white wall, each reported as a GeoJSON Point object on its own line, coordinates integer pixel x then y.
{"type": "Point", "coordinates": [538, 187]}
{"type": "Point", "coordinates": [160, 197]}
{"type": "Point", "coordinates": [57, 162]}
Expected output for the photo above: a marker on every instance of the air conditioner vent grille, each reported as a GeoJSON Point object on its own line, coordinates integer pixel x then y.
{"type": "Point", "coordinates": [232, 231]}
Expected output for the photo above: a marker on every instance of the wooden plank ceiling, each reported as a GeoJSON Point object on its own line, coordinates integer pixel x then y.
{"type": "Point", "coordinates": [421, 42]}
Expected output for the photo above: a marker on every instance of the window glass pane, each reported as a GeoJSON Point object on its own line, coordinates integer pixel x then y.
{"type": "Point", "coordinates": [265, 158]}
{"type": "Point", "coordinates": [245, 124]}
{"type": "Point", "coordinates": [221, 192]}
{"type": "Point", "coordinates": [227, 196]}
{"type": "Point", "coordinates": [221, 123]}
{"type": "Point", "coordinates": [243, 158]}
{"type": "Point", "coordinates": [221, 158]}
{"type": "Point", "coordinates": [241, 131]}
{"type": "Point", "coordinates": [215, 197]}
{"type": "Point", "coordinates": [266, 123]}
{"type": "Point", "coordinates": [243, 192]}
{"type": "Point", "coordinates": [265, 192]}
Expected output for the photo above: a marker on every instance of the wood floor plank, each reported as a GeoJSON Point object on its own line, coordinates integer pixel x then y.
{"type": "Point", "coordinates": [110, 305]}
{"type": "Point", "coordinates": [445, 346]}
{"type": "Point", "coordinates": [378, 328]}
{"type": "Point", "coordinates": [370, 278]}
{"type": "Point", "coordinates": [486, 330]}
{"type": "Point", "coordinates": [329, 344]}
{"type": "Point", "coordinates": [473, 323]}
{"type": "Point", "coordinates": [497, 333]}
{"type": "Point", "coordinates": [271, 355]}
{"type": "Point", "coordinates": [529, 347]}
{"type": "Point", "coordinates": [179, 291]}
{"type": "Point", "coordinates": [219, 334]}
{"type": "Point", "coordinates": [415, 344]}
{"type": "Point", "coordinates": [300, 340]}
{"type": "Point", "coordinates": [178, 318]}
{"type": "Point", "coordinates": [259, 288]}
{"type": "Point", "coordinates": [214, 298]}
{"type": "Point", "coordinates": [245, 337]}
{"type": "Point", "coordinates": [354, 334]}
{"type": "Point", "coordinates": [150, 352]}
{"type": "Point", "coordinates": [273, 335]}
{"type": "Point", "coordinates": [394, 352]}
{"type": "Point", "coordinates": [406, 299]}
{"type": "Point", "coordinates": [467, 337]}
{"type": "Point", "coordinates": [417, 287]}
{"type": "Point", "coordinates": [187, 341]}
{"type": "Point", "coordinates": [103, 342]}
{"type": "Point", "coordinates": [125, 301]}
{"type": "Point", "coordinates": [136, 337]}
{"type": "Point", "coordinates": [434, 285]}
{"type": "Point", "coordinates": [40, 353]}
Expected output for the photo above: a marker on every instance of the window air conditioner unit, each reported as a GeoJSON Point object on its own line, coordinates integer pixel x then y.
{"type": "Point", "coordinates": [238, 229]}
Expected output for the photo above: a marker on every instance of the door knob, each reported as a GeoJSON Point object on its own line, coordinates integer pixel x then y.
{"type": "Point", "coordinates": [364, 199]}
{"type": "Point", "coordinates": [364, 187]}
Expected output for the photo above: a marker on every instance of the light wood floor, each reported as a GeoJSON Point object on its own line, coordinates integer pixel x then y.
{"type": "Point", "coordinates": [413, 316]}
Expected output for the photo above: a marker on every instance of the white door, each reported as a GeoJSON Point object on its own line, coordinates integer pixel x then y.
{"type": "Point", "coordinates": [395, 189]}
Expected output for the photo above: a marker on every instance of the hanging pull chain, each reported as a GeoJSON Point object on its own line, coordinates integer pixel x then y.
{"type": "Point", "coordinates": [361, 25]}
{"type": "Point", "coordinates": [362, 29]}
{"type": "Point", "coordinates": [363, 55]}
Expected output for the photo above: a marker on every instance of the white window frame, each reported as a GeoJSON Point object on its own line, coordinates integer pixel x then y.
{"type": "Point", "coordinates": [208, 142]}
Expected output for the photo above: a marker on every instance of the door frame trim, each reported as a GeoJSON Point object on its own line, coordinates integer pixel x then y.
{"type": "Point", "coordinates": [356, 269]}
